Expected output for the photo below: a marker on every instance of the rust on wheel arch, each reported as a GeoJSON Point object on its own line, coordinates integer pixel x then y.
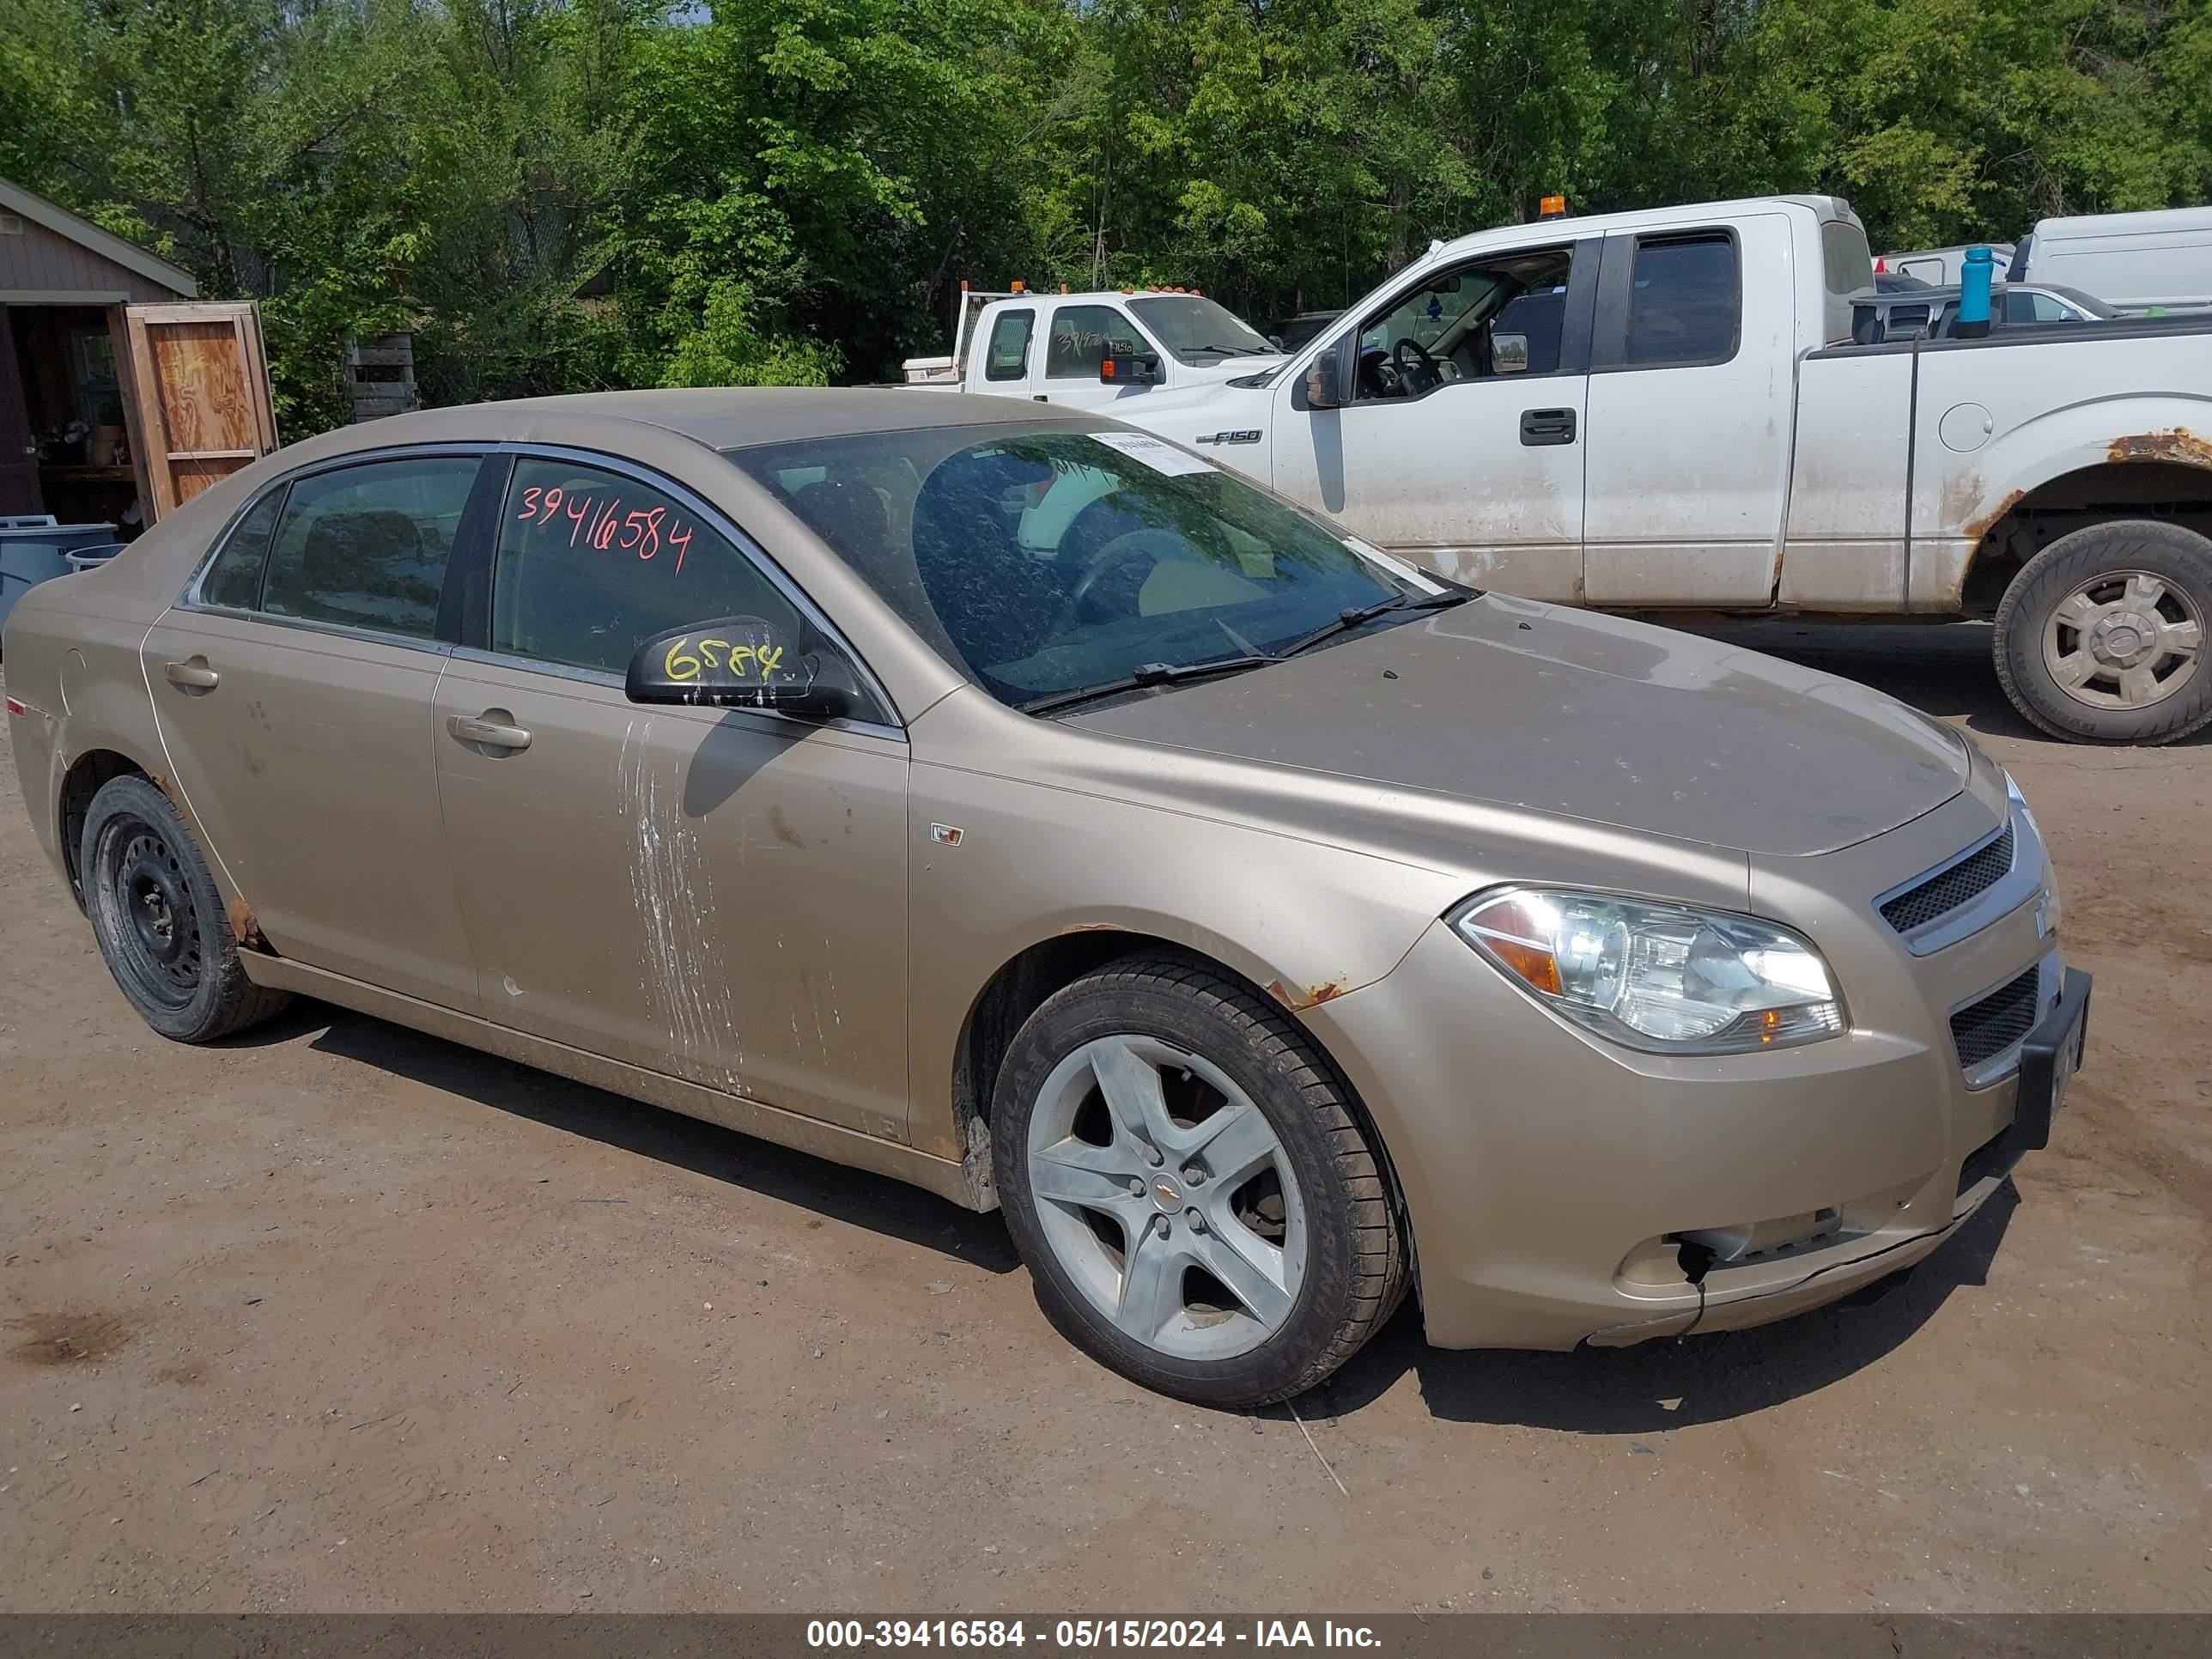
{"type": "Point", "coordinates": [1977, 528]}
{"type": "Point", "coordinates": [1312, 997]}
{"type": "Point", "coordinates": [2178, 445]}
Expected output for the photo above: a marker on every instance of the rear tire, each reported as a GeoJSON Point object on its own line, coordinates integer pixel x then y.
{"type": "Point", "coordinates": [1215, 1225]}
{"type": "Point", "coordinates": [2101, 636]}
{"type": "Point", "coordinates": [158, 920]}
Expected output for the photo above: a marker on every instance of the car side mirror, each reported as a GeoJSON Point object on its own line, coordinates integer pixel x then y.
{"type": "Point", "coordinates": [1323, 385]}
{"type": "Point", "coordinates": [1276, 342]}
{"type": "Point", "coordinates": [1128, 368]}
{"type": "Point", "coordinates": [1508, 353]}
{"type": "Point", "coordinates": [739, 662]}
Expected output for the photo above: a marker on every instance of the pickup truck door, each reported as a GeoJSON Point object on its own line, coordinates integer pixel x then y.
{"type": "Point", "coordinates": [1692, 394]}
{"type": "Point", "coordinates": [1078, 335]}
{"type": "Point", "coordinates": [1460, 442]}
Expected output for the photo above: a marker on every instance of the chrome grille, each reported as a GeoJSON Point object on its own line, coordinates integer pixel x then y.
{"type": "Point", "coordinates": [1982, 1029]}
{"type": "Point", "coordinates": [1948, 888]}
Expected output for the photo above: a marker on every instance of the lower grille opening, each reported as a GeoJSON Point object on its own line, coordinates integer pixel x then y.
{"type": "Point", "coordinates": [1982, 1029]}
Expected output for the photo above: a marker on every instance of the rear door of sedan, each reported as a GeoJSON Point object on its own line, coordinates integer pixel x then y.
{"type": "Point", "coordinates": [718, 895]}
{"type": "Point", "coordinates": [293, 684]}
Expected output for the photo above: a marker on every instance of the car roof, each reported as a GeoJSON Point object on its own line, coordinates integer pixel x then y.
{"type": "Point", "coordinates": [717, 418]}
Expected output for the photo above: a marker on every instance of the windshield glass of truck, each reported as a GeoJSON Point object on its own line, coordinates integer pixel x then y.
{"type": "Point", "coordinates": [1196, 330]}
{"type": "Point", "coordinates": [1039, 561]}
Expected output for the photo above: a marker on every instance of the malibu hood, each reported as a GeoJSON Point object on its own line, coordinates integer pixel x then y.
{"type": "Point", "coordinates": [1597, 718]}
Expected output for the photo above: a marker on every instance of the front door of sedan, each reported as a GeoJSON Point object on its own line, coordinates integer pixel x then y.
{"type": "Point", "coordinates": [292, 687]}
{"type": "Point", "coordinates": [1460, 445]}
{"type": "Point", "coordinates": [716, 894]}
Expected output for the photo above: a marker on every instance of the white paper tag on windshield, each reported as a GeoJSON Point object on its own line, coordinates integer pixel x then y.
{"type": "Point", "coordinates": [1155, 453]}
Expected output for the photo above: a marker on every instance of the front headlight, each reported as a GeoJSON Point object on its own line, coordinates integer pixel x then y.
{"type": "Point", "coordinates": [1660, 977]}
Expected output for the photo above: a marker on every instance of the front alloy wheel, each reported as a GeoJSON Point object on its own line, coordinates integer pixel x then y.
{"type": "Point", "coordinates": [1167, 1198]}
{"type": "Point", "coordinates": [1185, 1174]}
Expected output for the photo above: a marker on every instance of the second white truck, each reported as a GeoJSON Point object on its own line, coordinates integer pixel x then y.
{"type": "Point", "coordinates": [1048, 347]}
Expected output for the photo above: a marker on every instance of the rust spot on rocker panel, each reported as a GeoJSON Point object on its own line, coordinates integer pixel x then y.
{"type": "Point", "coordinates": [1312, 997]}
{"type": "Point", "coordinates": [244, 928]}
{"type": "Point", "coordinates": [2178, 445]}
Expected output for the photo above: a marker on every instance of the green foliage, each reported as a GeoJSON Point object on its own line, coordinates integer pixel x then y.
{"type": "Point", "coordinates": [563, 195]}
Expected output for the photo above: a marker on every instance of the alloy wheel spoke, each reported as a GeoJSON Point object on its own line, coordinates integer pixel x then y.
{"type": "Point", "coordinates": [2077, 611]}
{"type": "Point", "coordinates": [2138, 686]}
{"type": "Point", "coordinates": [1237, 1143]}
{"type": "Point", "coordinates": [2145, 591]}
{"type": "Point", "coordinates": [1131, 1086]}
{"type": "Point", "coordinates": [1078, 1173]}
{"type": "Point", "coordinates": [1151, 1283]}
{"type": "Point", "coordinates": [2073, 669]}
{"type": "Point", "coordinates": [2180, 638]}
{"type": "Point", "coordinates": [1251, 1268]}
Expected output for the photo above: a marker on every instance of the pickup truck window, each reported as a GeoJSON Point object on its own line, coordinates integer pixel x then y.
{"type": "Point", "coordinates": [1081, 338]}
{"type": "Point", "coordinates": [1686, 302]}
{"type": "Point", "coordinates": [1499, 316]}
{"type": "Point", "coordinates": [1008, 357]}
{"type": "Point", "coordinates": [1846, 266]}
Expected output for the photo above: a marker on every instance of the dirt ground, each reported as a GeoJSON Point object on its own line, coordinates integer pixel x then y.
{"type": "Point", "coordinates": [340, 1317]}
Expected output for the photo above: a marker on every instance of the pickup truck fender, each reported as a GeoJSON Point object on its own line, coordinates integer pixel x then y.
{"type": "Point", "coordinates": [1961, 495]}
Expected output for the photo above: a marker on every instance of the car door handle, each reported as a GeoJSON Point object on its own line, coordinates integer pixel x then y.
{"type": "Point", "coordinates": [193, 674]}
{"type": "Point", "coordinates": [1548, 426]}
{"type": "Point", "coordinates": [493, 734]}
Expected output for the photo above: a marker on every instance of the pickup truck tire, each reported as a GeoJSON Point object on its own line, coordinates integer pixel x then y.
{"type": "Point", "coordinates": [1183, 1171]}
{"type": "Point", "coordinates": [2101, 636]}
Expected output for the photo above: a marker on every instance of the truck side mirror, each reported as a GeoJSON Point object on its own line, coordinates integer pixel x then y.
{"type": "Point", "coordinates": [1128, 368]}
{"type": "Point", "coordinates": [1508, 353]}
{"type": "Point", "coordinates": [1323, 385]}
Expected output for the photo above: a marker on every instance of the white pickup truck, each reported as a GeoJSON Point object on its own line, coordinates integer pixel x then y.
{"type": "Point", "coordinates": [1662, 410]}
{"type": "Point", "coordinates": [1049, 346]}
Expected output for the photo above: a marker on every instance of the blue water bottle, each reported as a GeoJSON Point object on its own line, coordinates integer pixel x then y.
{"type": "Point", "coordinates": [1974, 294]}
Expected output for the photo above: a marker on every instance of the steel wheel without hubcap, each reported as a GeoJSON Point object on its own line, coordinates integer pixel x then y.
{"type": "Point", "coordinates": [155, 924]}
{"type": "Point", "coordinates": [158, 919]}
{"type": "Point", "coordinates": [2123, 639]}
{"type": "Point", "coordinates": [1165, 1194]}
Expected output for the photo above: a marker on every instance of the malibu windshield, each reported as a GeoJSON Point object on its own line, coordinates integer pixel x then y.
{"type": "Point", "coordinates": [1042, 561]}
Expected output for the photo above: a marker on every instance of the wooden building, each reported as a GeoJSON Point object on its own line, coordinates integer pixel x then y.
{"type": "Point", "coordinates": [121, 393]}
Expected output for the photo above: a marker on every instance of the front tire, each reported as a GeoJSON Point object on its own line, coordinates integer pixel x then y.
{"type": "Point", "coordinates": [1182, 1171]}
{"type": "Point", "coordinates": [158, 920]}
{"type": "Point", "coordinates": [2100, 637]}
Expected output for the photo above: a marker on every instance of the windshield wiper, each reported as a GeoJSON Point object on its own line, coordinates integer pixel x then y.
{"type": "Point", "coordinates": [1238, 351]}
{"type": "Point", "coordinates": [1346, 621]}
{"type": "Point", "coordinates": [1145, 674]}
{"type": "Point", "coordinates": [1175, 673]}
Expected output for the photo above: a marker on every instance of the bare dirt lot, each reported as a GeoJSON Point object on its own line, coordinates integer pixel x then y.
{"type": "Point", "coordinates": [336, 1316]}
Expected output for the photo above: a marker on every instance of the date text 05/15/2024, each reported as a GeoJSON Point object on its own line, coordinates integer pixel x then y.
{"type": "Point", "coordinates": [1085, 1634]}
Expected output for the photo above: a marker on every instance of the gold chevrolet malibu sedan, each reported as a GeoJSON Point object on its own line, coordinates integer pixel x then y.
{"type": "Point", "coordinates": [993, 797]}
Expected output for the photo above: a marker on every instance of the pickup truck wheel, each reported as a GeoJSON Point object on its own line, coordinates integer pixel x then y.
{"type": "Point", "coordinates": [2101, 636]}
{"type": "Point", "coordinates": [1183, 1174]}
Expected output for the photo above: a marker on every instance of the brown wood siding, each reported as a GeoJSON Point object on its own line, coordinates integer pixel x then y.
{"type": "Point", "coordinates": [37, 260]}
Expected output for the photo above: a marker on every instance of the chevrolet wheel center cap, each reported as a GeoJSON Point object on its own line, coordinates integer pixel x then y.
{"type": "Point", "coordinates": [1165, 1195]}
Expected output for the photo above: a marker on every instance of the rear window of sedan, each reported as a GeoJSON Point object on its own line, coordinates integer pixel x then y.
{"type": "Point", "coordinates": [1039, 561]}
